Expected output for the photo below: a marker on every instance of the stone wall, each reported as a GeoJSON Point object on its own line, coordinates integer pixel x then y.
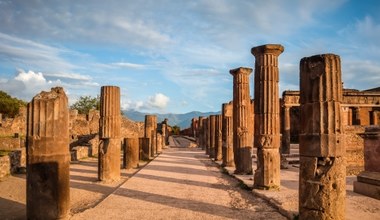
{"type": "Point", "coordinates": [9, 143]}
{"type": "Point", "coordinates": [354, 149]}
{"type": "Point", "coordinates": [12, 162]}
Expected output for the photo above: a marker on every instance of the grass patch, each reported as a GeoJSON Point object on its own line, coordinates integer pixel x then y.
{"type": "Point", "coordinates": [4, 152]}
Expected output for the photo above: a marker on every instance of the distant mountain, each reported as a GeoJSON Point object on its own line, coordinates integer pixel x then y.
{"type": "Point", "coordinates": [181, 120]}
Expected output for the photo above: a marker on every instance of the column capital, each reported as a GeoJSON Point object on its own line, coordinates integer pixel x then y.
{"type": "Point", "coordinates": [275, 49]}
{"type": "Point", "coordinates": [242, 70]}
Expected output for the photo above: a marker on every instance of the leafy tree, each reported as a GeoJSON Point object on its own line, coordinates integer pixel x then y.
{"type": "Point", "coordinates": [176, 129]}
{"type": "Point", "coordinates": [10, 106]}
{"type": "Point", "coordinates": [85, 104]}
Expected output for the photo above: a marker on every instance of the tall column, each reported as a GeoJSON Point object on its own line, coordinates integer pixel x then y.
{"type": "Point", "coordinates": [148, 133]}
{"type": "Point", "coordinates": [200, 133]}
{"type": "Point", "coordinates": [131, 153]}
{"type": "Point", "coordinates": [267, 116]}
{"type": "Point", "coordinates": [164, 134]}
{"type": "Point", "coordinates": [154, 136]}
{"type": "Point", "coordinates": [285, 146]}
{"type": "Point", "coordinates": [227, 139]}
{"type": "Point", "coordinates": [206, 133]}
{"type": "Point", "coordinates": [322, 185]}
{"type": "Point", "coordinates": [144, 146]}
{"type": "Point", "coordinates": [109, 134]}
{"type": "Point", "coordinates": [48, 157]}
{"type": "Point", "coordinates": [212, 132]}
{"type": "Point", "coordinates": [241, 117]}
{"type": "Point", "coordinates": [218, 137]}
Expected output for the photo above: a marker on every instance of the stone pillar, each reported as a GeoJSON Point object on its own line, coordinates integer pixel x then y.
{"type": "Point", "coordinates": [194, 127]}
{"type": "Point", "coordinates": [357, 116]}
{"type": "Point", "coordinates": [205, 133]}
{"type": "Point", "coordinates": [322, 185]}
{"type": "Point", "coordinates": [212, 136]}
{"type": "Point", "coordinates": [109, 134]}
{"type": "Point", "coordinates": [368, 182]}
{"type": "Point", "coordinates": [218, 137]}
{"type": "Point", "coordinates": [200, 133]}
{"type": "Point", "coordinates": [164, 134]}
{"type": "Point", "coordinates": [241, 116]}
{"type": "Point", "coordinates": [267, 116]}
{"type": "Point", "coordinates": [285, 146]}
{"type": "Point", "coordinates": [154, 137]}
{"type": "Point", "coordinates": [149, 133]}
{"type": "Point", "coordinates": [131, 153]}
{"type": "Point", "coordinates": [159, 143]}
{"type": "Point", "coordinates": [48, 156]}
{"type": "Point", "coordinates": [227, 139]}
{"type": "Point", "coordinates": [144, 145]}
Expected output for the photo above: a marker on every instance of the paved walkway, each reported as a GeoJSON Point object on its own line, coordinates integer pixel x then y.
{"type": "Point", "coordinates": [181, 183]}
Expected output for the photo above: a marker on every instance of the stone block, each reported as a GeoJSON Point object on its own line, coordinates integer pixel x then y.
{"type": "Point", "coordinates": [367, 189]}
{"type": "Point", "coordinates": [322, 145]}
{"type": "Point", "coordinates": [267, 175]}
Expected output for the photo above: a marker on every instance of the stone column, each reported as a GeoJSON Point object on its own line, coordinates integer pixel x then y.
{"type": "Point", "coordinates": [227, 139]}
{"type": "Point", "coordinates": [267, 116]}
{"type": "Point", "coordinates": [200, 133]}
{"type": "Point", "coordinates": [159, 143]}
{"type": "Point", "coordinates": [164, 132]}
{"type": "Point", "coordinates": [357, 116]}
{"type": "Point", "coordinates": [144, 146]}
{"type": "Point", "coordinates": [241, 117]}
{"type": "Point", "coordinates": [205, 133]}
{"type": "Point", "coordinates": [322, 185]}
{"type": "Point", "coordinates": [149, 133]}
{"type": "Point", "coordinates": [48, 156]}
{"type": "Point", "coordinates": [212, 132]}
{"type": "Point", "coordinates": [154, 137]}
{"type": "Point", "coordinates": [285, 146]}
{"type": "Point", "coordinates": [218, 137]}
{"type": "Point", "coordinates": [131, 153]}
{"type": "Point", "coordinates": [109, 134]}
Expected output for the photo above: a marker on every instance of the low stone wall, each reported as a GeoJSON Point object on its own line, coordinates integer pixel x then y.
{"type": "Point", "coordinates": [12, 162]}
{"type": "Point", "coordinates": [10, 143]}
{"type": "Point", "coordinates": [354, 149]}
{"type": "Point", "coordinates": [80, 152]}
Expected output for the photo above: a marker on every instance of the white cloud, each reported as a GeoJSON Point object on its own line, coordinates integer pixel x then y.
{"type": "Point", "coordinates": [128, 65]}
{"type": "Point", "coordinates": [159, 101]}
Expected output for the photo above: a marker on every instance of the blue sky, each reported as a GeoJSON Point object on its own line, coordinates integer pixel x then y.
{"type": "Point", "coordinates": [175, 56]}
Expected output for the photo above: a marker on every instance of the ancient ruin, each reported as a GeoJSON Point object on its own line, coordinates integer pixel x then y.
{"type": "Point", "coordinates": [227, 135]}
{"type": "Point", "coordinates": [131, 150]}
{"type": "Point", "coordinates": [218, 137]}
{"type": "Point", "coordinates": [48, 157]}
{"type": "Point", "coordinates": [267, 116]}
{"type": "Point", "coordinates": [212, 136]}
{"type": "Point", "coordinates": [150, 132]}
{"type": "Point", "coordinates": [242, 139]}
{"type": "Point", "coordinates": [109, 134]}
{"type": "Point", "coordinates": [322, 186]}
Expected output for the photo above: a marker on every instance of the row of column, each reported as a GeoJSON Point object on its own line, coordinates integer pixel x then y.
{"type": "Point", "coordinates": [322, 168]}
{"type": "Point", "coordinates": [48, 156]}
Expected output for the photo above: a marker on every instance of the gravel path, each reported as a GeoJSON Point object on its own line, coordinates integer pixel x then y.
{"type": "Point", "coordinates": [181, 183]}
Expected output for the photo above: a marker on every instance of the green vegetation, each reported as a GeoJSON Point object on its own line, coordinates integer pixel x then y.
{"type": "Point", "coordinates": [9, 106]}
{"type": "Point", "coordinates": [85, 104]}
{"type": "Point", "coordinates": [4, 152]}
{"type": "Point", "coordinates": [176, 129]}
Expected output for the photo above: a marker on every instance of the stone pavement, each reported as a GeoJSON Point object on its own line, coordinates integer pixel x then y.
{"type": "Point", "coordinates": [181, 183]}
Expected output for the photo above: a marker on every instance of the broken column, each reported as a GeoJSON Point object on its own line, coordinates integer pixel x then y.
{"type": "Point", "coordinates": [368, 182]}
{"type": "Point", "coordinates": [212, 135]}
{"type": "Point", "coordinates": [241, 113]}
{"type": "Point", "coordinates": [144, 146]}
{"type": "Point", "coordinates": [48, 156]}
{"type": "Point", "coordinates": [322, 185]}
{"type": "Point", "coordinates": [109, 134]}
{"type": "Point", "coordinates": [149, 133]}
{"type": "Point", "coordinates": [218, 138]}
{"type": "Point", "coordinates": [131, 153]}
{"type": "Point", "coordinates": [267, 116]}
{"type": "Point", "coordinates": [227, 141]}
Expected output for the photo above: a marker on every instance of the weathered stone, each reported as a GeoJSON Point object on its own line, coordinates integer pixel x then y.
{"type": "Point", "coordinates": [212, 135]}
{"type": "Point", "coordinates": [267, 115]}
{"type": "Point", "coordinates": [218, 138]}
{"type": "Point", "coordinates": [206, 133]}
{"type": "Point", "coordinates": [131, 153]}
{"type": "Point", "coordinates": [145, 149]}
{"type": "Point", "coordinates": [159, 142]}
{"type": "Point", "coordinates": [227, 135]}
{"type": "Point", "coordinates": [285, 139]}
{"type": "Point", "coordinates": [241, 113]}
{"type": "Point", "coordinates": [48, 157]}
{"type": "Point", "coordinates": [109, 134]}
{"type": "Point", "coordinates": [150, 132]}
{"type": "Point", "coordinates": [322, 185]}
{"type": "Point", "coordinates": [200, 139]}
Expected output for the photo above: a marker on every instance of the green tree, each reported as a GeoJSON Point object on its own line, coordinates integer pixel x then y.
{"type": "Point", "coordinates": [9, 106]}
{"type": "Point", "coordinates": [85, 104]}
{"type": "Point", "coordinates": [176, 129]}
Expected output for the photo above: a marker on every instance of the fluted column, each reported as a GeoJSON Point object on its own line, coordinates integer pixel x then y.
{"type": "Point", "coordinates": [48, 157]}
{"type": "Point", "coordinates": [200, 138]}
{"type": "Point", "coordinates": [227, 138]}
{"type": "Point", "coordinates": [206, 134]}
{"type": "Point", "coordinates": [109, 134]}
{"type": "Point", "coordinates": [267, 116]}
{"type": "Point", "coordinates": [241, 116]}
{"type": "Point", "coordinates": [218, 137]}
{"type": "Point", "coordinates": [285, 146]}
{"type": "Point", "coordinates": [322, 185]}
{"type": "Point", "coordinates": [149, 133]}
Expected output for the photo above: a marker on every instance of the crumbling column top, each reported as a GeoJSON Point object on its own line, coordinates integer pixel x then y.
{"type": "Point", "coordinates": [276, 49]}
{"type": "Point", "coordinates": [243, 70]}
